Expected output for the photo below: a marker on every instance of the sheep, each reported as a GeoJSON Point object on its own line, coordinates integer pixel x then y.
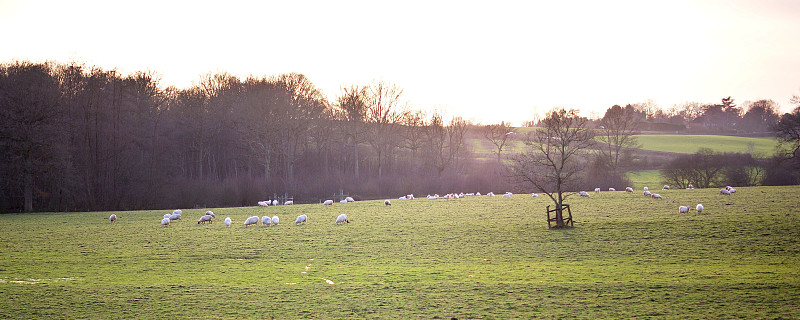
{"type": "Point", "coordinates": [275, 202]}
{"type": "Point", "coordinates": [507, 195]}
{"type": "Point", "coordinates": [349, 199]}
{"type": "Point", "coordinates": [263, 203]}
{"type": "Point", "coordinates": [612, 189]}
{"type": "Point", "coordinates": [728, 188]}
{"type": "Point", "coordinates": [732, 190]}
{"type": "Point", "coordinates": [387, 202]}
{"type": "Point", "coordinates": [328, 202]}
{"type": "Point", "coordinates": [491, 194]}
{"type": "Point", "coordinates": [166, 216]}
{"type": "Point", "coordinates": [266, 220]}
{"type": "Point", "coordinates": [402, 198]}
{"type": "Point", "coordinates": [175, 216]}
{"type": "Point", "coordinates": [228, 221]}
{"type": "Point", "coordinates": [657, 196]}
{"type": "Point", "coordinates": [628, 189]}
{"type": "Point", "coordinates": [534, 195]}
{"type": "Point", "coordinates": [645, 189]}
{"type": "Point", "coordinates": [583, 194]}
{"type": "Point", "coordinates": [251, 221]}
{"type": "Point", "coordinates": [724, 192]}
{"type": "Point", "coordinates": [177, 211]}
{"type": "Point", "coordinates": [164, 222]}
{"type": "Point", "coordinates": [288, 203]}
{"type": "Point", "coordinates": [666, 187]}
{"type": "Point", "coordinates": [596, 190]}
{"type": "Point", "coordinates": [699, 208]}
{"type": "Point", "coordinates": [113, 218]}
{"type": "Point", "coordinates": [410, 196]}
{"type": "Point", "coordinates": [690, 187]}
{"type": "Point", "coordinates": [343, 201]}
{"type": "Point", "coordinates": [683, 209]}
{"type": "Point", "coordinates": [342, 219]}
{"type": "Point", "coordinates": [209, 213]}
{"type": "Point", "coordinates": [647, 193]}
{"type": "Point", "coordinates": [478, 194]}
{"type": "Point", "coordinates": [275, 220]}
{"type": "Point", "coordinates": [205, 218]}
{"type": "Point", "coordinates": [301, 219]}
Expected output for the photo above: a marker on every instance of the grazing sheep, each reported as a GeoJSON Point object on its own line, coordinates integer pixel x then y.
{"type": "Point", "coordinates": [683, 209]}
{"type": "Point", "coordinates": [341, 219]}
{"type": "Point", "coordinates": [251, 221]}
{"type": "Point", "coordinates": [612, 189]}
{"type": "Point", "coordinates": [113, 218]}
{"type": "Point", "coordinates": [228, 221]}
{"type": "Point", "coordinates": [725, 192]}
{"type": "Point", "coordinates": [583, 194]}
{"type": "Point", "coordinates": [275, 220]}
{"type": "Point", "coordinates": [288, 203]}
{"type": "Point", "coordinates": [402, 198]}
{"type": "Point", "coordinates": [165, 222]}
{"type": "Point", "coordinates": [263, 203]}
{"type": "Point", "coordinates": [534, 195]}
{"type": "Point", "coordinates": [628, 189]}
{"type": "Point", "coordinates": [728, 188]}
{"type": "Point", "coordinates": [645, 189]}
{"type": "Point", "coordinates": [666, 187]}
{"type": "Point", "coordinates": [166, 216]}
{"type": "Point", "coordinates": [647, 193]}
{"type": "Point", "coordinates": [596, 190]}
{"type": "Point", "coordinates": [387, 202]}
{"type": "Point", "coordinates": [507, 195]}
{"type": "Point", "coordinates": [275, 202]}
{"type": "Point", "coordinates": [177, 211]}
{"type": "Point", "coordinates": [349, 199]}
{"type": "Point", "coordinates": [699, 208]}
{"type": "Point", "coordinates": [343, 201]}
{"type": "Point", "coordinates": [175, 216]}
{"type": "Point", "coordinates": [491, 194]}
{"type": "Point", "coordinates": [732, 190]}
{"type": "Point", "coordinates": [205, 218]}
{"type": "Point", "coordinates": [209, 213]}
{"type": "Point", "coordinates": [301, 219]}
{"type": "Point", "coordinates": [328, 202]}
{"type": "Point", "coordinates": [267, 221]}
{"type": "Point", "coordinates": [657, 196]}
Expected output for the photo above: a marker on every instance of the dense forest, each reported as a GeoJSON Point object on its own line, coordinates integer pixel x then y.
{"type": "Point", "coordinates": [74, 137]}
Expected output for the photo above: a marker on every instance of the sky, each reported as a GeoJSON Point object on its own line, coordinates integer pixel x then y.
{"type": "Point", "coordinates": [487, 61]}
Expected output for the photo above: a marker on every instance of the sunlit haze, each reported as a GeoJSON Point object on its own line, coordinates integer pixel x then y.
{"type": "Point", "coordinates": [486, 61]}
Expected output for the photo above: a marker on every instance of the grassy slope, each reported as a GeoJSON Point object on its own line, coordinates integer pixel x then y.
{"type": "Point", "coordinates": [691, 143]}
{"type": "Point", "coordinates": [479, 257]}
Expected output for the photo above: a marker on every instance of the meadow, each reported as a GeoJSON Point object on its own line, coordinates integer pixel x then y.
{"type": "Point", "coordinates": [474, 258]}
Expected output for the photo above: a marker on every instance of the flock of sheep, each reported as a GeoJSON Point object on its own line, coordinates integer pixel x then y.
{"type": "Point", "coordinates": [209, 216]}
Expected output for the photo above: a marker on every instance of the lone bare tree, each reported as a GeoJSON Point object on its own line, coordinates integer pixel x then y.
{"type": "Point", "coordinates": [616, 137]}
{"type": "Point", "coordinates": [498, 135]}
{"type": "Point", "coordinates": [552, 162]}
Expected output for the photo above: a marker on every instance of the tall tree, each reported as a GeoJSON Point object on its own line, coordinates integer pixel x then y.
{"type": "Point", "coordinates": [788, 133]}
{"type": "Point", "coordinates": [616, 137]}
{"type": "Point", "coordinates": [352, 105]}
{"type": "Point", "coordinates": [552, 162]}
{"type": "Point", "coordinates": [384, 115]}
{"type": "Point", "coordinates": [498, 135]}
{"type": "Point", "coordinates": [761, 116]}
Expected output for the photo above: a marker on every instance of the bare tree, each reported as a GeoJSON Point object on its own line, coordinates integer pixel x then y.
{"type": "Point", "coordinates": [384, 115]}
{"type": "Point", "coordinates": [352, 105]}
{"type": "Point", "coordinates": [498, 135]}
{"type": "Point", "coordinates": [413, 133]}
{"type": "Point", "coordinates": [552, 162]}
{"type": "Point", "coordinates": [616, 137]}
{"type": "Point", "coordinates": [444, 142]}
{"type": "Point", "coordinates": [788, 132]}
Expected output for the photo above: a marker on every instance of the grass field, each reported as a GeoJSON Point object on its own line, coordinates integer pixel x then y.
{"type": "Point", "coordinates": [473, 258]}
{"type": "Point", "coordinates": [763, 147]}
{"type": "Point", "coordinates": [645, 178]}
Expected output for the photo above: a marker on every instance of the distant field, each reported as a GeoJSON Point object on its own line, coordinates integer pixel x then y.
{"type": "Point", "coordinates": [628, 257]}
{"type": "Point", "coordinates": [763, 147]}
{"type": "Point", "coordinates": [645, 178]}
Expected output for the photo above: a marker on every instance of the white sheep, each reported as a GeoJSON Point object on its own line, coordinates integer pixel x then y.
{"type": "Point", "coordinates": [289, 203]}
{"type": "Point", "coordinates": [343, 201]}
{"type": "Point", "coordinates": [683, 209]}
{"type": "Point", "coordinates": [349, 199]}
{"type": "Point", "coordinates": [732, 190]}
{"type": "Point", "coordinates": [205, 218]}
{"type": "Point", "coordinates": [699, 208]}
{"type": "Point", "coordinates": [728, 188]}
{"type": "Point", "coordinates": [477, 194]}
{"type": "Point", "coordinates": [534, 195]}
{"type": "Point", "coordinates": [387, 202]}
{"type": "Point", "coordinates": [113, 218]}
{"type": "Point", "coordinates": [647, 193]}
{"type": "Point", "coordinates": [251, 221]}
{"type": "Point", "coordinates": [275, 220]}
{"type": "Point", "coordinates": [507, 195]}
{"type": "Point", "coordinates": [657, 196]}
{"type": "Point", "coordinates": [491, 194]}
{"type": "Point", "coordinates": [691, 187]}
{"type": "Point", "coordinates": [328, 202]}
{"type": "Point", "coordinates": [583, 194]}
{"type": "Point", "coordinates": [341, 219]}
{"type": "Point", "coordinates": [301, 219]}
{"type": "Point", "coordinates": [612, 189]}
{"type": "Point", "coordinates": [166, 216]}
{"type": "Point", "coordinates": [263, 203]}
{"type": "Point", "coordinates": [228, 221]}
{"type": "Point", "coordinates": [645, 189]}
{"type": "Point", "coordinates": [628, 189]}
{"type": "Point", "coordinates": [165, 222]}
{"type": "Point", "coordinates": [724, 192]}
{"type": "Point", "coordinates": [177, 211]}
{"type": "Point", "coordinates": [666, 187]}
{"type": "Point", "coordinates": [266, 220]}
{"type": "Point", "coordinates": [175, 216]}
{"type": "Point", "coordinates": [209, 213]}
{"type": "Point", "coordinates": [275, 202]}
{"type": "Point", "coordinates": [402, 198]}
{"type": "Point", "coordinates": [596, 190]}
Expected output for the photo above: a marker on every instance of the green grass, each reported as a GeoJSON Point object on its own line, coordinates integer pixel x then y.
{"type": "Point", "coordinates": [763, 147]}
{"type": "Point", "coordinates": [479, 257]}
{"type": "Point", "coordinates": [645, 178]}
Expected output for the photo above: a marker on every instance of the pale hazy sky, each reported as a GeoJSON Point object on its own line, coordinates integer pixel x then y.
{"type": "Point", "coordinates": [487, 61]}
